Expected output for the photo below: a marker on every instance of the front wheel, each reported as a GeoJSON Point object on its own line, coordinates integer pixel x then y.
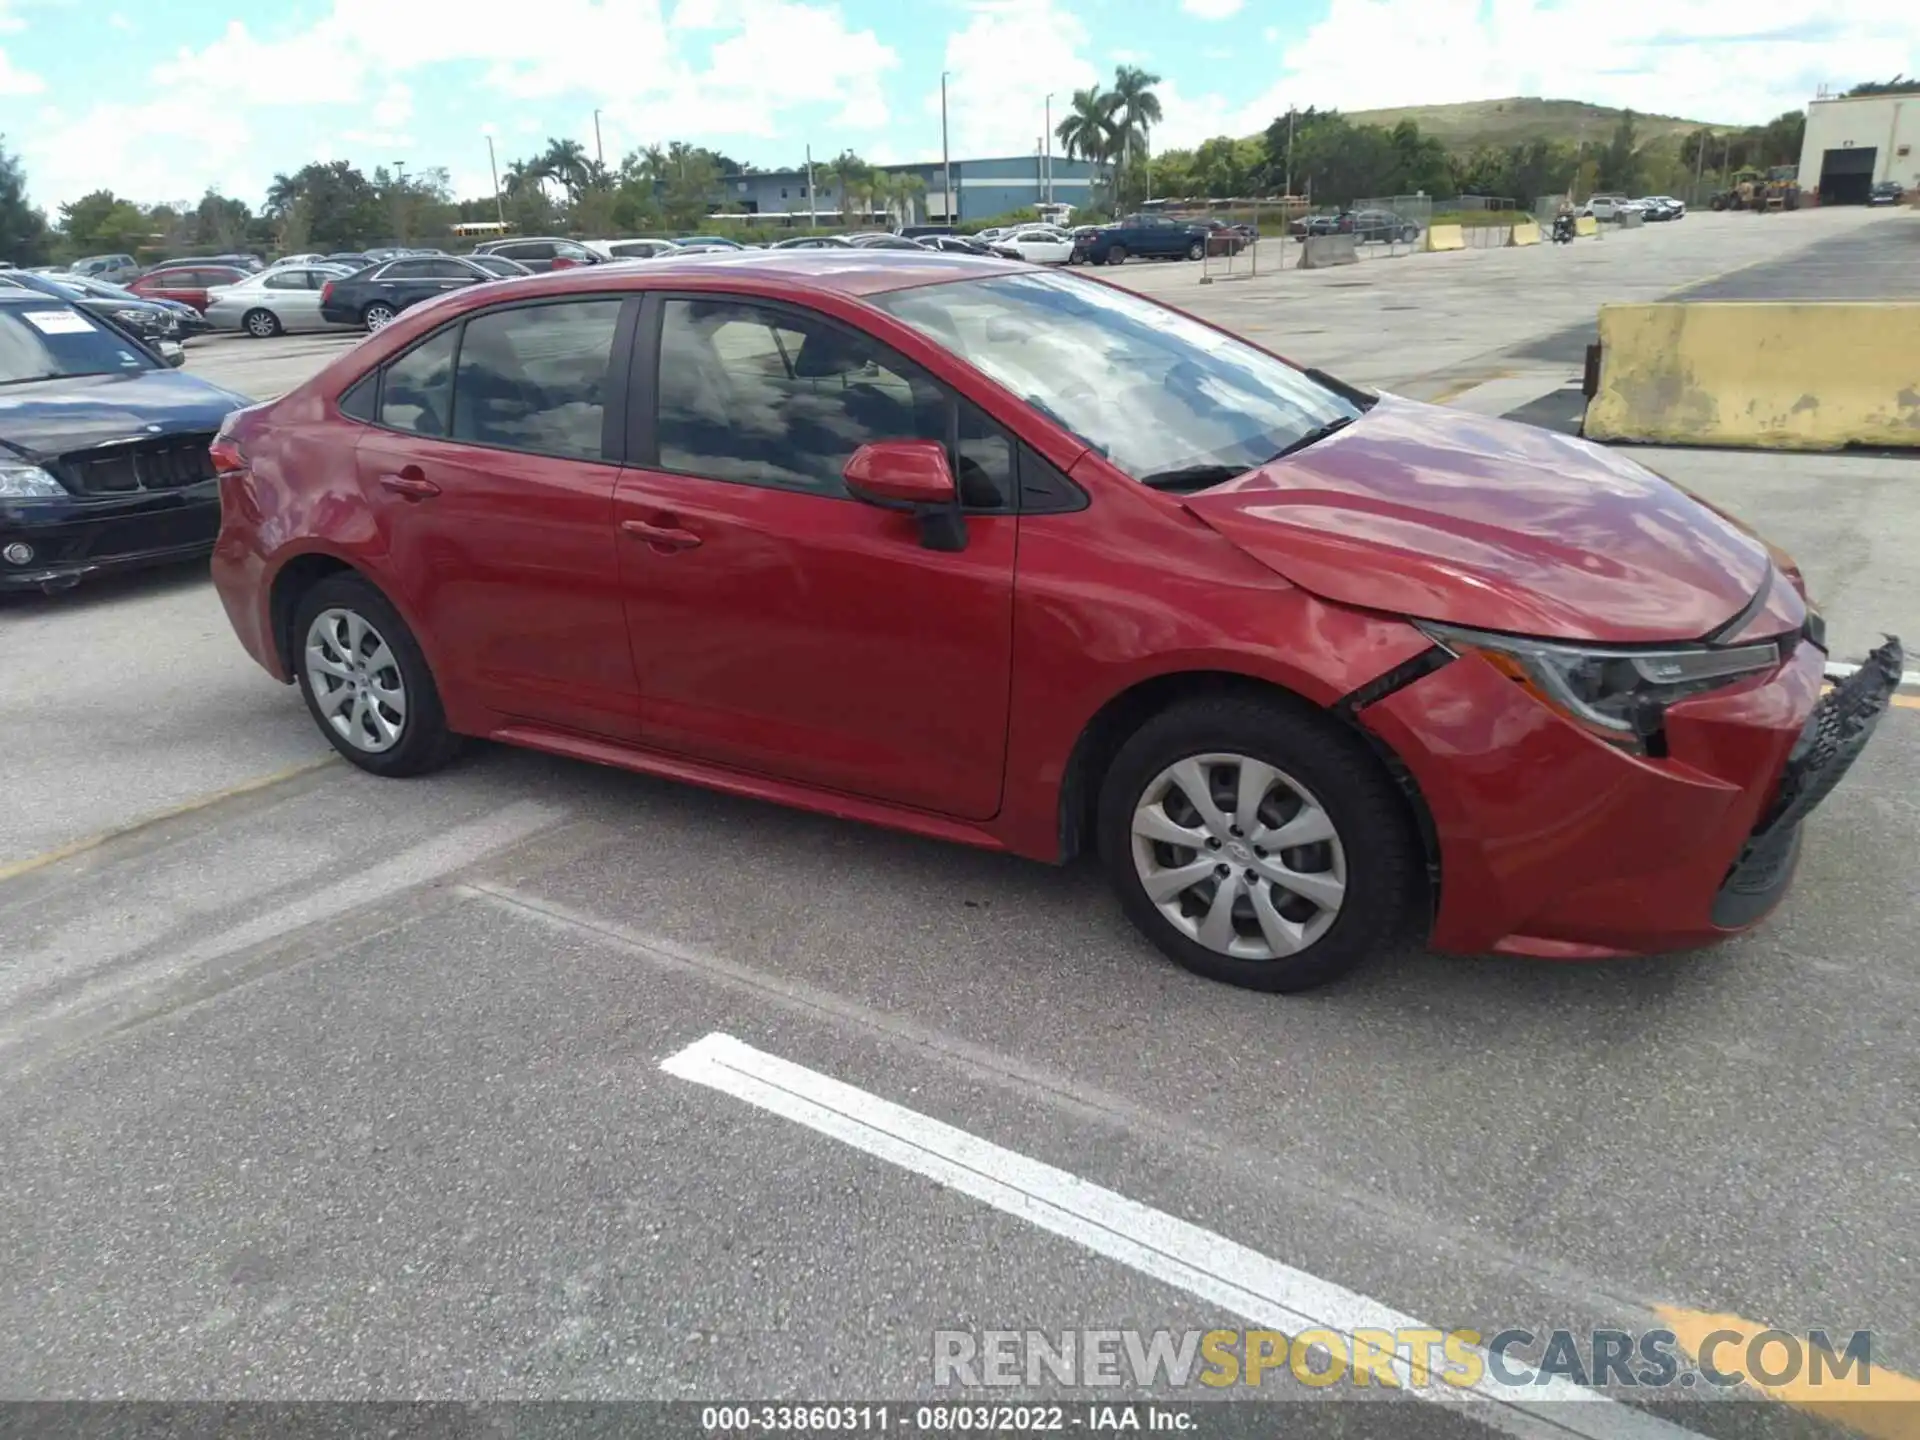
{"type": "Point", "coordinates": [379, 315]}
{"type": "Point", "coordinates": [1196, 251]}
{"type": "Point", "coordinates": [1117, 255]}
{"type": "Point", "coordinates": [1255, 843]}
{"type": "Point", "coordinates": [366, 681]}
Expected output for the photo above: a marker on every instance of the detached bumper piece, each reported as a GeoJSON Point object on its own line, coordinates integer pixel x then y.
{"type": "Point", "coordinates": [1835, 734]}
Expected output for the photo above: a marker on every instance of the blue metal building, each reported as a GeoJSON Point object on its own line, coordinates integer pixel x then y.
{"type": "Point", "coordinates": [981, 188]}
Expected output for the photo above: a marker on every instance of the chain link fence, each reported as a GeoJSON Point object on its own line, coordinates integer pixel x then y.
{"type": "Point", "coordinates": [1388, 225]}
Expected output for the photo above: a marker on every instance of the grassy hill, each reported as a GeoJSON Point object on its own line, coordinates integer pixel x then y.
{"type": "Point", "coordinates": [1518, 118]}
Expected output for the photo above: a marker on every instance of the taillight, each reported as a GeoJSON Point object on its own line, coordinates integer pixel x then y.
{"type": "Point", "coordinates": [326, 292]}
{"type": "Point", "coordinates": [228, 457]}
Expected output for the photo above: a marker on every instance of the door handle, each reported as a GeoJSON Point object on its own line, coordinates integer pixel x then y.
{"type": "Point", "coordinates": [410, 482]}
{"type": "Point", "coordinates": [662, 537]}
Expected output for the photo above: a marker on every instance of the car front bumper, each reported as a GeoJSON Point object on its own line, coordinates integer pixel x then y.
{"type": "Point", "coordinates": [74, 539]}
{"type": "Point", "coordinates": [1553, 843]}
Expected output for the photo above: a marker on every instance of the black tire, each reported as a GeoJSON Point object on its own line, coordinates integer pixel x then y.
{"type": "Point", "coordinates": [261, 324]}
{"type": "Point", "coordinates": [1196, 251]}
{"type": "Point", "coordinates": [424, 742]}
{"type": "Point", "coordinates": [1410, 234]}
{"type": "Point", "coordinates": [1116, 255]}
{"type": "Point", "coordinates": [386, 316]}
{"type": "Point", "coordinates": [1383, 860]}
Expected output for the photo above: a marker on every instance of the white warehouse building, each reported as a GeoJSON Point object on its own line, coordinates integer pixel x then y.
{"type": "Point", "coordinates": [1854, 144]}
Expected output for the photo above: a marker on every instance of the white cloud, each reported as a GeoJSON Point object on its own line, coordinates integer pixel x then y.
{"type": "Point", "coordinates": [1212, 9]}
{"type": "Point", "coordinates": [1191, 119]}
{"type": "Point", "coordinates": [1004, 62]}
{"type": "Point", "coordinates": [1720, 60]}
{"type": "Point", "coordinates": [15, 82]}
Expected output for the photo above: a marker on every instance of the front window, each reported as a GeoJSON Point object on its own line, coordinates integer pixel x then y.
{"type": "Point", "coordinates": [50, 340]}
{"type": "Point", "coordinates": [1164, 398]}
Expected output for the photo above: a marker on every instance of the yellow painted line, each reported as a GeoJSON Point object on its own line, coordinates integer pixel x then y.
{"type": "Point", "coordinates": [94, 842]}
{"type": "Point", "coordinates": [1885, 1407]}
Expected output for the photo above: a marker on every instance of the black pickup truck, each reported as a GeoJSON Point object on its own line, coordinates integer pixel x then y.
{"type": "Point", "coordinates": [1161, 237]}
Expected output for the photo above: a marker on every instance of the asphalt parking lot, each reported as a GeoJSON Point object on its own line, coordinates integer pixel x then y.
{"type": "Point", "coordinates": [323, 1087]}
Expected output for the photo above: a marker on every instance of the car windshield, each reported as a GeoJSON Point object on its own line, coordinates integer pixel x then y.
{"type": "Point", "coordinates": [1164, 398]}
{"type": "Point", "coordinates": [49, 340]}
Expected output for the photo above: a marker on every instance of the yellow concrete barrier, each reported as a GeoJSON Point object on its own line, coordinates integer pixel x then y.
{"type": "Point", "coordinates": [1780, 375]}
{"type": "Point", "coordinates": [1525, 232]}
{"type": "Point", "coordinates": [1445, 237]}
{"type": "Point", "coordinates": [1585, 226]}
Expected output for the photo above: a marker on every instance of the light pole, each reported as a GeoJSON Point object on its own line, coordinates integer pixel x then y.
{"type": "Point", "coordinates": [813, 215]}
{"type": "Point", "coordinates": [947, 207]}
{"type": "Point", "coordinates": [400, 201]}
{"type": "Point", "coordinates": [1046, 139]}
{"type": "Point", "coordinates": [493, 168]}
{"type": "Point", "coordinates": [599, 155]}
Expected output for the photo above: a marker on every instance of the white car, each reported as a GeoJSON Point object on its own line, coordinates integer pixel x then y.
{"type": "Point", "coordinates": [630, 249]}
{"type": "Point", "coordinates": [275, 301]}
{"type": "Point", "coordinates": [1040, 244]}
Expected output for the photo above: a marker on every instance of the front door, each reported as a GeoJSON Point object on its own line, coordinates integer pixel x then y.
{"type": "Point", "coordinates": [491, 488]}
{"type": "Point", "coordinates": [781, 626]}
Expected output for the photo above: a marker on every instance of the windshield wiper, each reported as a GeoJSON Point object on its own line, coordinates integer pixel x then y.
{"type": "Point", "coordinates": [1192, 477]}
{"type": "Point", "coordinates": [1316, 435]}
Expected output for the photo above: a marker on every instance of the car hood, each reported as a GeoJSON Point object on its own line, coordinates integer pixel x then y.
{"type": "Point", "coordinates": [1443, 515]}
{"type": "Point", "coordinates": [45, 418]}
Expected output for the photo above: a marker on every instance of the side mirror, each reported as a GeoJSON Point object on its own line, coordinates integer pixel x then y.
{"type": "Point", "coordinates": [910, 475]}
{"type": "Point", "coordinates": [172, 354]}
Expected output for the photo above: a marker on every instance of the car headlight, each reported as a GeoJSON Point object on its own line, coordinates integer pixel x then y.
{"type": "Point", "coordinates": [28, 482]}
{"type": "Point", "coordinates": [138, 319]}
{"type": "Point", "coordinates": [1619, 693]}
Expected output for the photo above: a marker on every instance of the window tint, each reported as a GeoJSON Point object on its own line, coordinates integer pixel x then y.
{"type": "Point", "coordinates": [288, 280]}
{"type": "Point", "coordinates": [535, 378]}
{"type": "Point", "coordinates": [769, 397]}
{"type": "Point", "coordinates": [573, 252]}
{"type": "Point", "coordinates": [448, 270]}
{"type": "Point", "coordinates": [528, 250]}
{"type": "Point", "coordinates": [407, 270]}
{"type": "Point", "coordinates": [362, 397]}
{"type": "Point", "coordinates": [418, 391]}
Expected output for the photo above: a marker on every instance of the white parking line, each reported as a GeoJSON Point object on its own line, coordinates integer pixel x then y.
{"type": "Point", "coordinates": [1217, 1270]}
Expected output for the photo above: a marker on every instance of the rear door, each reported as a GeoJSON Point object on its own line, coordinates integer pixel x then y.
{"type": "Point", "coordinates": [490, 469]}
{"type": "Point", "coordinates": [779, 625]}
{"type": "Point", "coordinates": [296, 297]}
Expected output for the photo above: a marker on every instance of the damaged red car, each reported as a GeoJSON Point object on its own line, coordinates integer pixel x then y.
{"type": "Point", "coordinates": [1023, 560]}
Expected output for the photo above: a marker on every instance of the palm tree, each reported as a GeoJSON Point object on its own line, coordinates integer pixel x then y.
{"type": "Point", "coordinates": [1136, 109]}
{"type": "Point", "coordinates": [565, 163]}
{"type": "Point", "coordinates": [853, 178]}
{"type": "Point", "coordinates": [521, 176]}
{"type": "Point", "coordinates": [1082, 132]}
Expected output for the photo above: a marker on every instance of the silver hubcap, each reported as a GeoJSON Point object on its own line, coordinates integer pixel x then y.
{"type": "Point", "coordinates": [1239, 856]}
{"type": "Point", "coordinates": [379, 317]}
{"type": "Point", "coordinates": [355, 681]}
{"type": "Point", "coordinates": [261, 325]}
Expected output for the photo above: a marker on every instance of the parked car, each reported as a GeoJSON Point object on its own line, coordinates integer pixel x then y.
{"type": "Point", "coordinates": [885, 242]}
{"type": "Point", "coordinates": [1661, 208]}
{"type": "Point", "coordinates": [711, 241]}
{"type": "Point", "coordinates": [187, 283]}
{"type": "Point", "coordinates": [104, 458]}
{"type": "Point", "coordinates": [1886, 192]}
{"type": "Point", "coordinates": [812, 242]}
{"type": "Point", "coordinates": [188, 321]}
{"type": "Point", "coordinates": [1293, 732]}
{"type": "Point", "coordinates": [702, 247]}
{"type": "Point", "coordinates": [1606, 207]}
{"type": "Point", "coordinates": [499, 266]}
{"type": "Point", "coordinates": [1380, 227]}
{"type": "Point", "coordinates": [349, 260]}
{"type": "Point", "coordinates": [149, 321]}
{"type": "Point", "coordinates": [374, 297]}
{"type": "Point", "coordinates": [967, 245]}
{"type": "Point", "coordinates": [115, 269]}
{"type": "Point", "coordinates": [541, 252]}
{"type": "Point", "coordinates": [282, 298]}
{"type": "Point", "coordinates": [1150, 235]}
{"type": "Point", "coordinates": [631, 249]}
{"type": "Point", "coordinates": [1326, 222]}
{"type": "Point", "coordinates": [1040, 245]}
{"type": "Point", "coordinates": [309, 258]}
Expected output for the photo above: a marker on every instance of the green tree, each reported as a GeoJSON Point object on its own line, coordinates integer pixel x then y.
{"type": "Point", "coordinates": [1620, 163]}
{"type": "Point", "coordinates": [1176, 174]}
{"type": "Point", "coordinates": [691, 180]}
{"type": "Point", "coordinates": [220, 224]}
{"type": "Point", "coordinates": [1899, 85]}
{"type": "Point", "coordinates": [102, 221]}
{"type": "Point", "coordinates": [565, 163]}
{"type": "Point", "coordinates": [343, 209]}
{"type": "Point", "coordinates": [1136, 111]}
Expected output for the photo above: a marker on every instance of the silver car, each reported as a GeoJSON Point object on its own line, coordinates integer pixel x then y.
{"type": "Point", "coordinates": [285, 298]}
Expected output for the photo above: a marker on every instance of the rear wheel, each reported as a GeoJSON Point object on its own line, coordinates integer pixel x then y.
{"type": "Point", "coordinates": [261, 324]}
{"type": "Point", "coordinates": [366, 681]}
{"type": "Point", "coordinates": [1117, 255]}
{"type": "Point", "coordinates": [1256, 843]}
{"type": "Point", "coordinates": [379, 315]}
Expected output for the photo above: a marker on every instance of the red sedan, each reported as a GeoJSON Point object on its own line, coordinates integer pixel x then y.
{"type": "Point", "coordinates": [188, 284]}
{"type": "Point", "coordinates": [1027, 561]}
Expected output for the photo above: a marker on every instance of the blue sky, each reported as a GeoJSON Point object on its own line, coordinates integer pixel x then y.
{"type": "Point", "coordinates": [157, 102]}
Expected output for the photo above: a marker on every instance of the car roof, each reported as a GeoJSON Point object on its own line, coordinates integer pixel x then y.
{"type": "Point", "coordinates": [852, 271]}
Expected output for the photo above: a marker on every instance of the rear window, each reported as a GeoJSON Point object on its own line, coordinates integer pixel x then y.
{"type": "Point", "coordinates": [48, 340]}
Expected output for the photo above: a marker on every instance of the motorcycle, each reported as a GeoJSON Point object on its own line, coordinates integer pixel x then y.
{"type": "Point", "coordinates": [1563, 229]}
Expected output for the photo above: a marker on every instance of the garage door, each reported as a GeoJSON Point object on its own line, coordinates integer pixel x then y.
{"type": "Point", "coordinates": [1846, 176]}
